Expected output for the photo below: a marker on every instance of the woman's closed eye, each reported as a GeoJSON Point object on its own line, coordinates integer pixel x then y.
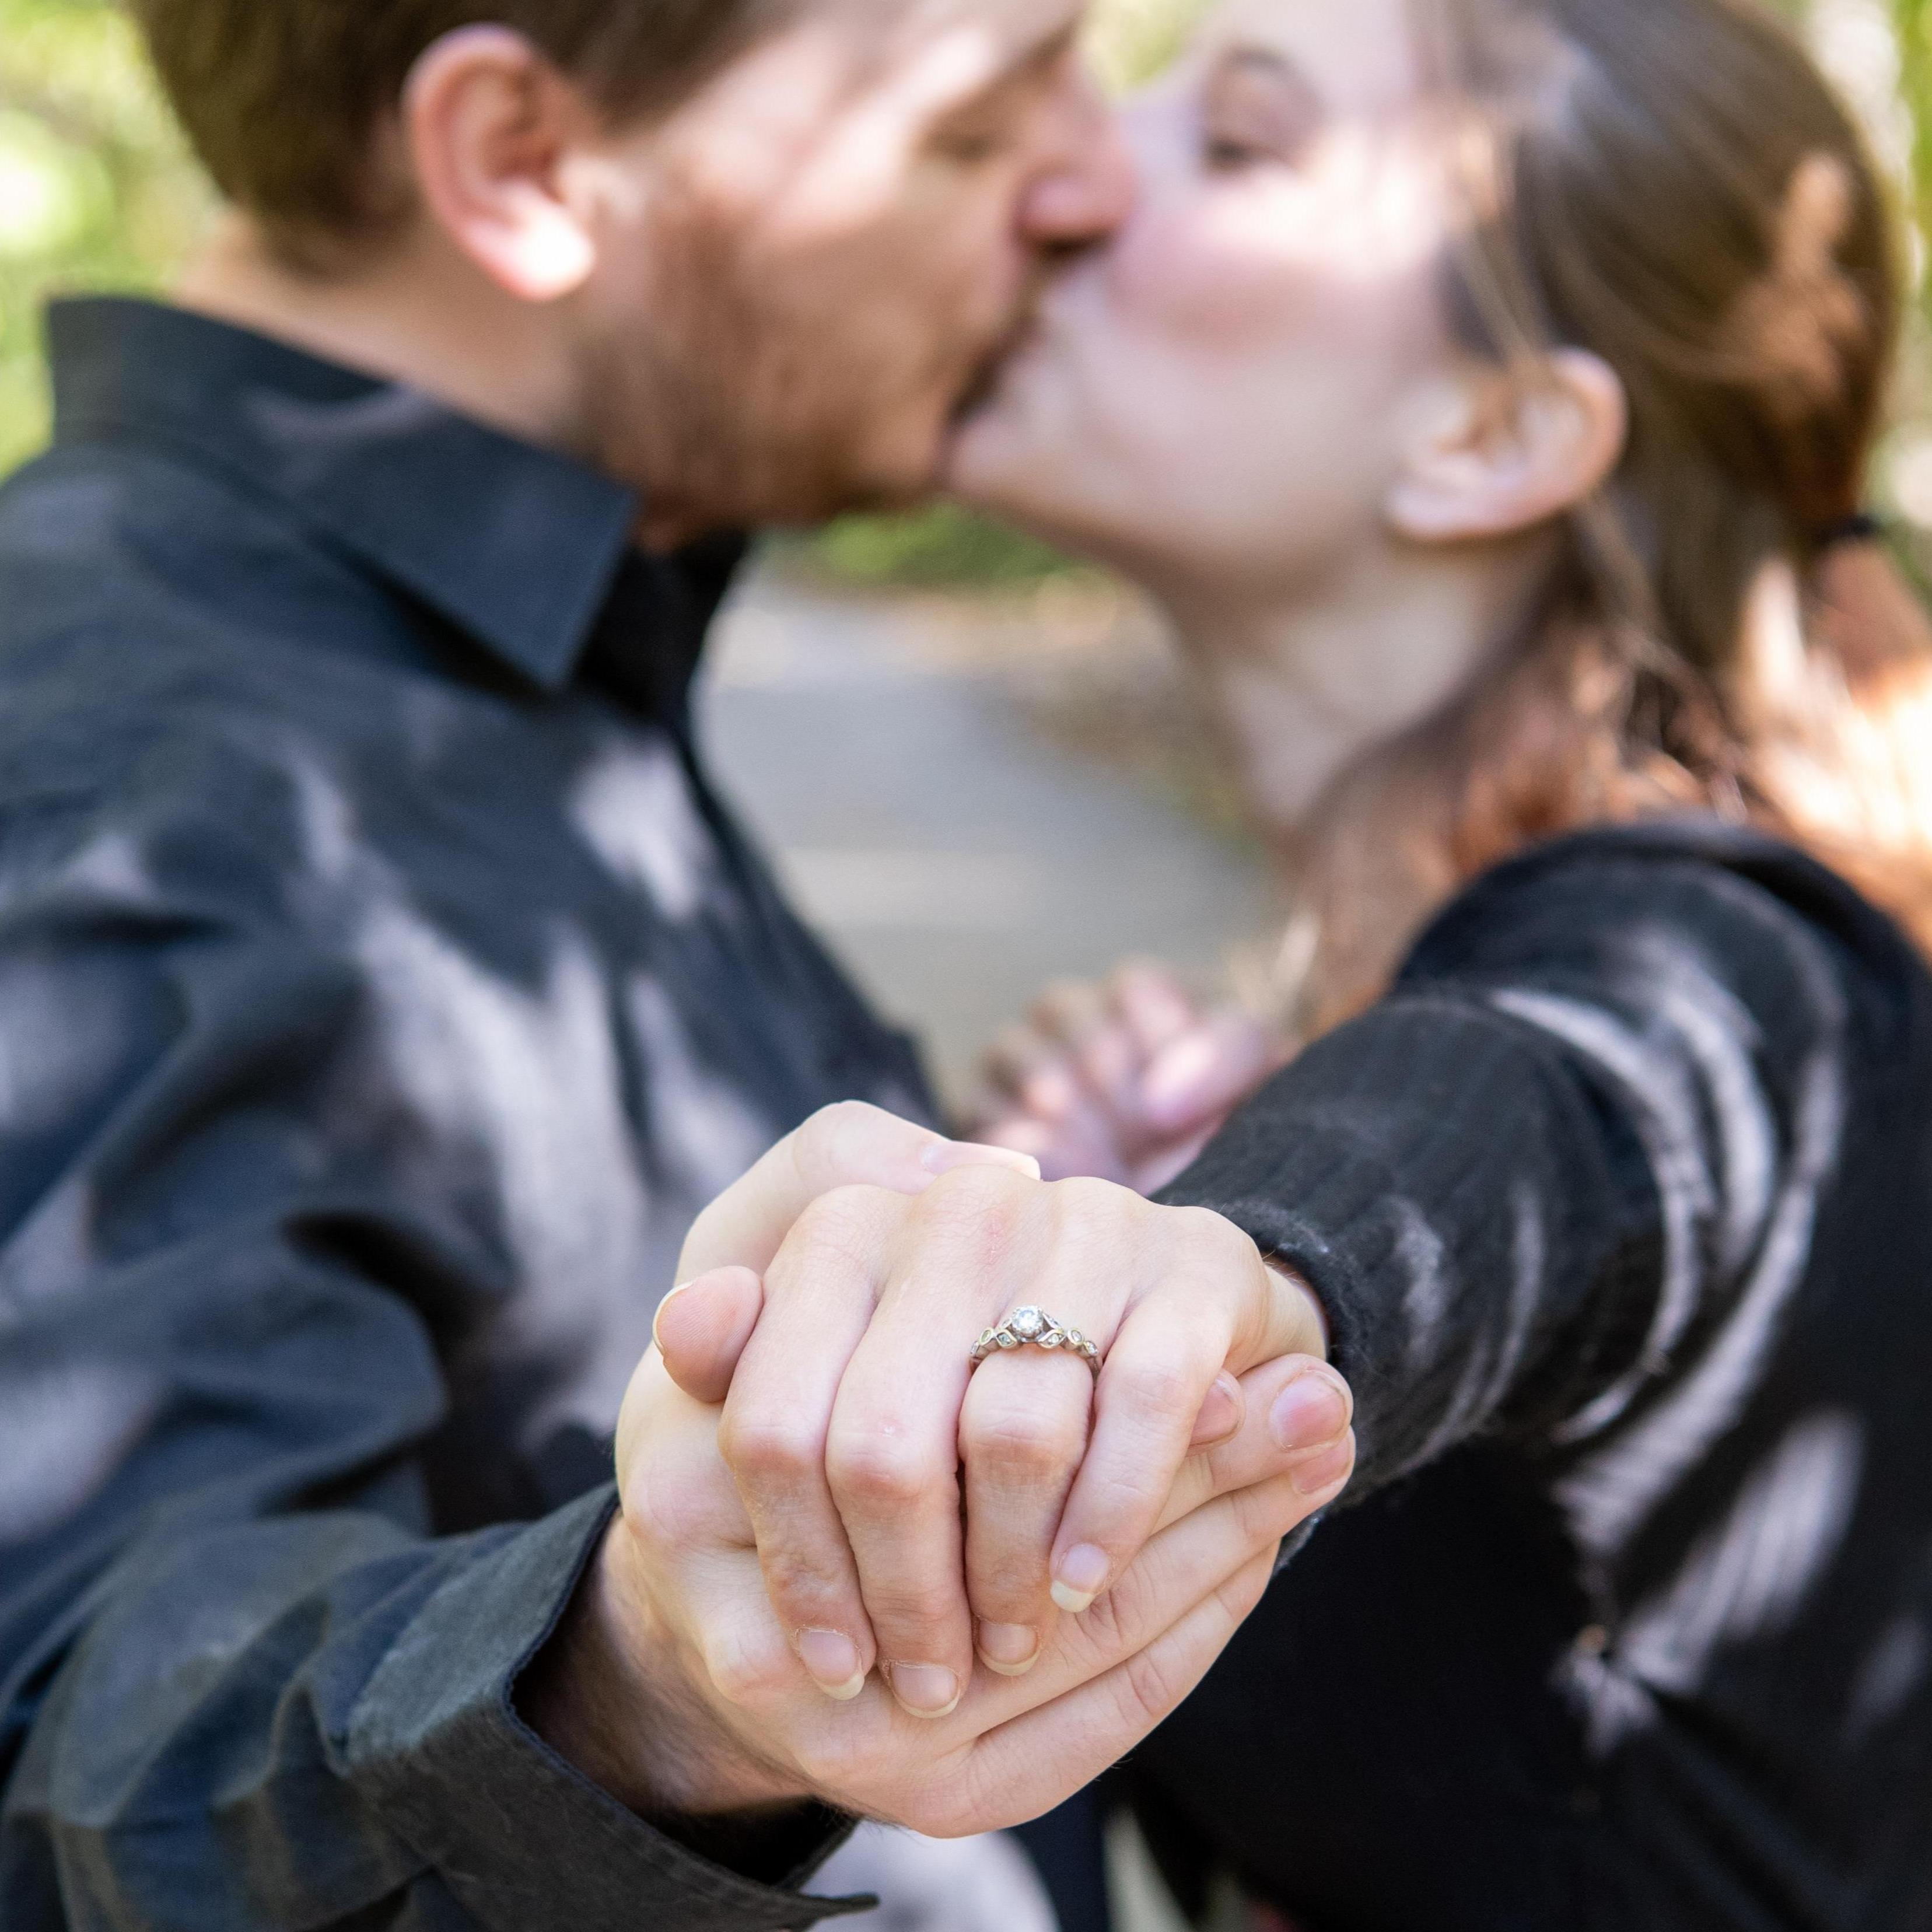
{"type": "Point", "coordinates": [1259, 110]}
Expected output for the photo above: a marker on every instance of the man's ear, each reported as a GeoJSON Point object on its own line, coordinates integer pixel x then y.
{"type": "Point", "coordinates": [488, 121]}
{"type": "Point", "coordinates": [1510, 453]}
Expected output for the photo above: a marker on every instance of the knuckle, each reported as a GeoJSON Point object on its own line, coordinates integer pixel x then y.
{"type": "Point", "coordinates": [826, 1142]}
{"type": "Point", "coordinates": [1266, 1513]}
{"type": "Point", "coordinates": [1105, 1625]}
{"type": "Point", "coordinates": [1010, 1445]}
{"type": "Point", "coordinates": [1213, 1235]}
{"type": "Point", "coordinates": [1098, 1225]}
{"type": "Point", "coordinates": [833, 1759]}
{"type": "Point", "coordinates": [1088, 1206]}
{"type": "Point", "coordinates": [842, 1219]}
{"type": "Point", "coordinates": [803, 1594]}
{"type": "Point", "coordinates": [973, 1215]}
{"type": "Point", "coordinates": [1149, 1685]}
{"type": "Point", "coordinates": [830, 1124]}
{"type": "Point", "coordinates": [876, 1470]}
{"type": "Point", "coordinates": [660, 1514]}
{"type": "Point", "coordinates": [1011, 1593]}
{"type": "Point", "coordinates": [968, 1194]}
{"type": "Point", "coordinates": [746, 1670]}
{"type": "Point", "coordinates": [1133, 1606]}
{"type": "Point", "coordinates": [769, 1451]}
{"type": "Point", "coordinates": [915, 1604]}
{"type": "Point", "coordinates": [1162, 1389]}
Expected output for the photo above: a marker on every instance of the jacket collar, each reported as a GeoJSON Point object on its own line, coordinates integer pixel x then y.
{"type": "Point", "coordinates": [521, 548]}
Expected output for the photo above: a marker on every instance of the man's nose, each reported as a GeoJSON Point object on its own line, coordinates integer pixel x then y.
{"type": "Point", "coordinates": [1086, 189]}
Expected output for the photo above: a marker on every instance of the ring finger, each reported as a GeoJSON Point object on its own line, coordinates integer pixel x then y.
{"type": "Point", "coordinates": [1023, 1433]}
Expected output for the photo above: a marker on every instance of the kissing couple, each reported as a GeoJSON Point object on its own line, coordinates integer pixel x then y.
{"type": "Point", "coordinates": [393, 1010]}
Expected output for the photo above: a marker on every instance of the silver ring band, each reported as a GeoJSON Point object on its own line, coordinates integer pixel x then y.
{"type": "Point", "coordinates": [1034, 1328]}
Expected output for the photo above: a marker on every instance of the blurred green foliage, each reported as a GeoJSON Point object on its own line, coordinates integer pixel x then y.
{"type": "Point", "coordinates": [943, 544]}
{"type": "Point", "coordinates": [1912, 21]}
{"type": "Point", "coordinates": [96, 191]}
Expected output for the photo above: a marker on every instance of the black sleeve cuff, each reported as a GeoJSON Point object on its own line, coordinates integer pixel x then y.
{"type": "Point", "coordinates": [521, 1837]}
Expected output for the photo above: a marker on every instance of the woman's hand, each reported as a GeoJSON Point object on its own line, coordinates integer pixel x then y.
{"type": "Point", "coordinates": [852, 1412]}
{"type": "Point", "coordinates": [1125, 1081]}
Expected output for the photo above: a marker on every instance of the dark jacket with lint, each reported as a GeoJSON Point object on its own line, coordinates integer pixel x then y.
{"type": "Point", "coordinates": [383, 991]}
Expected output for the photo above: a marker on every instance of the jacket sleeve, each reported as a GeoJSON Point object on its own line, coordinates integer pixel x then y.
{"type": "Point", "coordinates": [1572, 1160]}
{"type": "Point", "coordinates": [242, 1684]}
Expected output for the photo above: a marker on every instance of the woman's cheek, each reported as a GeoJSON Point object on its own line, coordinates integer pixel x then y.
{"type": "Point", "coordinates": [1195, 295]}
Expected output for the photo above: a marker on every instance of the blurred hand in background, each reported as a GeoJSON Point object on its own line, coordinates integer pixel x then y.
{"type": "Point", "coordinates": [1125, 1081]}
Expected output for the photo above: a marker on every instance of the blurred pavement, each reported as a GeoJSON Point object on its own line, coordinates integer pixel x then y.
{"type": "Point", "coordinates": [970, 797]}
{"type": "Point", "coordinates": [973, 796]}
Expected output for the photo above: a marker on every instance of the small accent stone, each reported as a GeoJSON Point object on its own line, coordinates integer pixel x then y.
{"type": "Point", "coordinates": [1028, 1323]}
{"type": "Point", "coordinates": [1051, 1338]}
{"type": "Point", "coordinates": [1009, 1341]}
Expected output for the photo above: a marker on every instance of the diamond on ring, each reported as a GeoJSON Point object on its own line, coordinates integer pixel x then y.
{"type": "Point", "coordinates": [1033, 1327]}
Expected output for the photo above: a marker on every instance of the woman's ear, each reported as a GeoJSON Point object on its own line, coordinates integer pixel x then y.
{"type": "Point", "coordinates": [489, 121]}
{"type": "Point", "coordinates": [1512, 454]}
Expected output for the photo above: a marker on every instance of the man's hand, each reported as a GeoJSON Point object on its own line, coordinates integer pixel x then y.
{"type": "Point", "coordinates": [1125, 1081]}
{"type": "Point", "coordinates": [683, 1694]}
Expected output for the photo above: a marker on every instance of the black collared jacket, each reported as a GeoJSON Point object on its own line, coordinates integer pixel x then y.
{"type": "Point", "coordinates": [382, 991]}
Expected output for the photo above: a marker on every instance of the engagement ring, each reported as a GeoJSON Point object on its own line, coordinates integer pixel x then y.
{"type": "Point", "coordinates": [1034, 1327]}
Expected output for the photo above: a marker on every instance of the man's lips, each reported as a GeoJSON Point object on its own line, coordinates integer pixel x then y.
{"type": "Point", "coordinates": [986, 378]}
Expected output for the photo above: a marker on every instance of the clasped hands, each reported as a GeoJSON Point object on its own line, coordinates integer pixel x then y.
{"type": "Point", "coordinates": [849, 1567]}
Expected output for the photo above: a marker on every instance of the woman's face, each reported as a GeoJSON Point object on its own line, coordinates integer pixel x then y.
{"type": "Point", "coordinates": [1229, 384]}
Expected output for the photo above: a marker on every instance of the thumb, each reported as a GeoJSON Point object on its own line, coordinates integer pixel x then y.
{"type": "Point", "coordinates": [701, 1329]}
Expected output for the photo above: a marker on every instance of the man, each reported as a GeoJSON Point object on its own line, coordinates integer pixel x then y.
{"type": "Point", "coordinates": [382, 989]}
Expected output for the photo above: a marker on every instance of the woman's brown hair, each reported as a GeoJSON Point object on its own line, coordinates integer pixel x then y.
{"type": "Point", "coordinates": [1672, 185]}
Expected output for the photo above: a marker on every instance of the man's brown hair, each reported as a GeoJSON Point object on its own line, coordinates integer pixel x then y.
{"type": "Point", "coordinates": [285, 100]}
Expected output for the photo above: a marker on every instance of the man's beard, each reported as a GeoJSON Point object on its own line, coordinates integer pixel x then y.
{"type": "Point", "coordinates": [727, 415]}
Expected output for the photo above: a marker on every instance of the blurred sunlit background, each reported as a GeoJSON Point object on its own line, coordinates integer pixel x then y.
{"type": "Point", "coordinates": [96, 190]}
{"type": "Point", "coordinates": [973, 760]}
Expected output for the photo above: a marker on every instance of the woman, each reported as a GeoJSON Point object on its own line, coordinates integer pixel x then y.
{"type": "Point", "coordinates": [1487, 387]}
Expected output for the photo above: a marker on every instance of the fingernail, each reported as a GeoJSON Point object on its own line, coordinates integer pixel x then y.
{"type": "Point", "coordinates": [1082, 1573]}
{"type": "Point", "coordinates": [1310, 1411]}
{"type": "Point", "coordinates": [1326, 1470]}
{"type": "Point", "coordinates": [831, 1659]}
{"type": "Point", "coordinates": [946, 1157]}
{"type": "Point", "coordinates": [662, 1306]}
{"type": "Point", "coordinates": [926, 1690]}
{"type": "Point", "coordinates": [1220, 1413]}
{"type": "Point", "coordinates": [1011, 1649]}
